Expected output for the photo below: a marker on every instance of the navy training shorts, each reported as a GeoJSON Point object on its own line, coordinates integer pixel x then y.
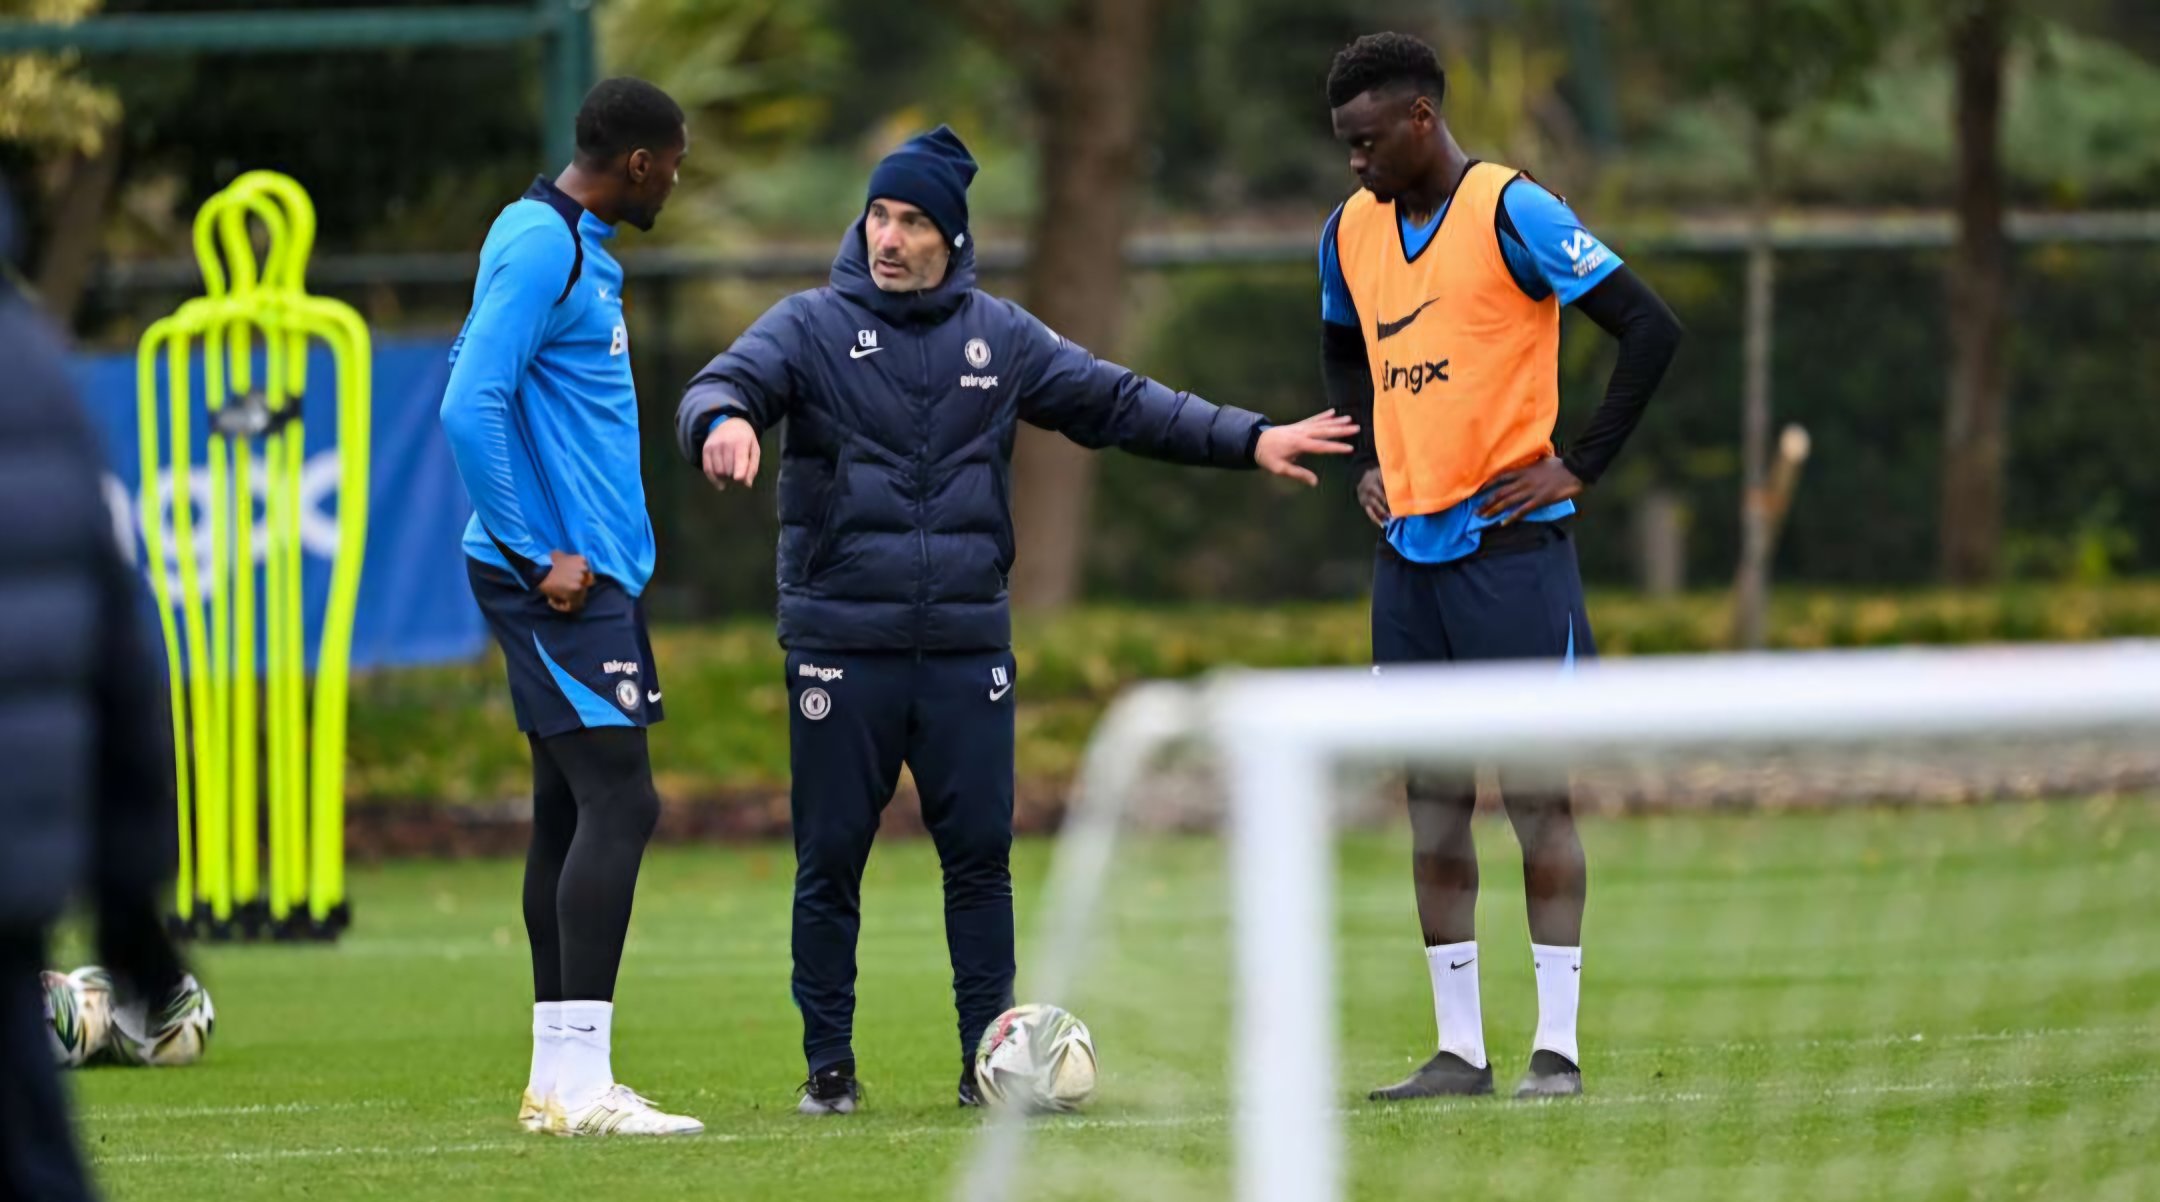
{"type": "Point", "coordinates": [570, 671]}
{"type": "Point", "coordinates": [1518, 603]}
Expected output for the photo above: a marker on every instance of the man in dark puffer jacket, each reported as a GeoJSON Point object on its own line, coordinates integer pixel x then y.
{"type": "Point", "coordinates": [902, 385]}
{"type": "Point", "coordinates": [87, 803]}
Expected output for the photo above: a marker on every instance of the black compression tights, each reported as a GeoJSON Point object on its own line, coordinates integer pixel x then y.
{"type": "Point", "coordinates": [593, 810]}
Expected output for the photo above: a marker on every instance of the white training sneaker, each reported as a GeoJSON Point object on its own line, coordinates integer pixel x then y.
{"type": "Point", "coordinates": [532, 1112]}
{"type": "Point", "coordinates": [621, 1111]}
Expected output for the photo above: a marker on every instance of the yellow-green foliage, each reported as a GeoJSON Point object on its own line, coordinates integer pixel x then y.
{"type": "Point", "coordinates": [43, 103]}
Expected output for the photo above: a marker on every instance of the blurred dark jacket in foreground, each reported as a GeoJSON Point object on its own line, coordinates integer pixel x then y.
{"type": "Point", "coordinates": [86, 772]}
{"type": "Point", "coordinates": [86, 779]}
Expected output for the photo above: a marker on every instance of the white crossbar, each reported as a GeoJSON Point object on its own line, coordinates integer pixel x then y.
{"type": "Point", "coordinates": [1281, 734]}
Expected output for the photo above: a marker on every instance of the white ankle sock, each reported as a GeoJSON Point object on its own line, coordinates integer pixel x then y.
{"type": "Point", "coordinates": [547, 1048]}
{"type": "Point", "coordinates": [1559, 993]}
{"type": "Point", "coordinates": [1455, 1000]}
{"type": "Point", "coordinates": [584, 1072]}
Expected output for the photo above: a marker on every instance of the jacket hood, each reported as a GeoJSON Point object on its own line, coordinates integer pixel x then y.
{"type": "Point", "coordinates": [851, 278]}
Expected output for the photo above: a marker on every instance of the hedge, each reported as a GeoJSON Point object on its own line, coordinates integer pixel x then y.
{"type": "Point", "coordinates": [446, 734]}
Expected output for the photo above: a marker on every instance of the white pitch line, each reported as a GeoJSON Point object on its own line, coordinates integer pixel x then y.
{"type": "Point", "coordinates": [1882, 1089]}
{"type": "Point", "coordinates": [137, 1114]}
{"type": "Point", "coordinates": [837, 1131]}
{"type": "Point", "coordinates": [269, 1154]}
{"type": "Point", "coordinates": [1917, 1038]}
{"type": "Point", "coordinates": [126, 1114]}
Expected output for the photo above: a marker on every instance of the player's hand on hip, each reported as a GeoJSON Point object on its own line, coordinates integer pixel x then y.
{"type": "Point", "coordinates": [1546, 482]}
{"type": "Point", "coordinates": [1321, 434]}
{"type": "Point", "coordinates": [731, 453]}
{"type": "Point", "coordinates": [569, 578]}
{"type": "Point", "coordinates": [1372, 497]}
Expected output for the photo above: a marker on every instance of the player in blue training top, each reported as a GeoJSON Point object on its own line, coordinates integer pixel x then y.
{"type": "Point", "coordinates": [541, 416]}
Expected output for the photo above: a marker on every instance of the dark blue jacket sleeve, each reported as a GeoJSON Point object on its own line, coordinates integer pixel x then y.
{"type": "Point", "coordinates": [136, 845]}
{"type": "Point", "coordinates": [753, 379]}
{"type": "Point", "coordinates": [1100, 404]}
{"type": "Point", "coordinates": [89, 798]}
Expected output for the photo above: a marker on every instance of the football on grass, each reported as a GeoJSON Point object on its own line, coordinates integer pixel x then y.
{"type": "Point", "coordinates": [175, 1033]}
{"type": "Point", "coordinates": [78, 1013]}
{"type": "Point", "coordinates": [1038, 1059]}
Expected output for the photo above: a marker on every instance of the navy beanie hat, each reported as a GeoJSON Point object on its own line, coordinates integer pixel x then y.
{"type": "Point", "coordinates": [930, 171]}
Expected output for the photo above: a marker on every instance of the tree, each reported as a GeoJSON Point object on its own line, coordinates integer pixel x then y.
{"type": "Point", "coordinates": [1777, 57]}
{"type": "Point", "coordinates": [1090, 62]}
{"type": "Point", "coordinates": [1979, 298]}
{"type": "Point", "coordinates": [55, 119]}
{"type": "Point", "coordinates": [45, 105]}
{"type": "Point", "coordinates": [394, 146]}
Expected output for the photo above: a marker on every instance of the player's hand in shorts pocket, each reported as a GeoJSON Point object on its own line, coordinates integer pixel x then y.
{"type": "Point", "coordinates": [569, 578]}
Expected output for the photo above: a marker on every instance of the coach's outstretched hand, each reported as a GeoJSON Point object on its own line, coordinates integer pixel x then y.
{"type": "Point", "coordinates": [731, 453]}
{"type": "Point", "coordinates": [569, 578]}
{"type": "Point", "coordinates": [1321, 434]}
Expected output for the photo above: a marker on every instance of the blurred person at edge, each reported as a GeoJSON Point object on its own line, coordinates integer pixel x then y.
{"type": "Point", "coordinates": [87, 799]}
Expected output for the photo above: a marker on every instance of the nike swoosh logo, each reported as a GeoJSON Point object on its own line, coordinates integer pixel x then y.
{"type": "Point", "coordinates": [857, 352]}
{"type": "Point", "coordinates": [1388, 329]}
{"type": "Point", "coordinates": [586, 1030]}
{"type": "Point", "coordinates": [1458, 964]}
{"type": "Point", "coordinates": [652, 698]}
{"type": "Point", "coordinates": [999, 694]}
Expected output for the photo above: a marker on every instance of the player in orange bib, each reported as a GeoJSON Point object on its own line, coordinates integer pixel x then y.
{"type": "Point", "coordinates": [1442, 281]}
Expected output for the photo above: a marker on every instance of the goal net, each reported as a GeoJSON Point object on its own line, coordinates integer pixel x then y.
{"type": "Point", "coordinates": [1877, 924]}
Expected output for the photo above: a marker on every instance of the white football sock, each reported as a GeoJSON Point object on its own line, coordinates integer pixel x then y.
{"type": "Point", "coordinates": [584, 1072]}
{"type": "Point", "coordinates": [1559, 993]}
{"type": "Point", "coordinates": [1455, 1000]}
{"type": "Point", "coordinates": [547, 1048]}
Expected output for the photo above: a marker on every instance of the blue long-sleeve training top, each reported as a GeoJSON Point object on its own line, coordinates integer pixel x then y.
{"type": "Point", "coordinates": [541, 411]}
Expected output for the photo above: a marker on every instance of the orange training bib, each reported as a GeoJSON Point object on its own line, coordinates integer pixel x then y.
{"type": "Point", "coordinates": [1465, 368]}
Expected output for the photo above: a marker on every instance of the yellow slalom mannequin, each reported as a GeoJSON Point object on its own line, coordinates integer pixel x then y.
{"type": "Point", "coordinates": [221, 724]}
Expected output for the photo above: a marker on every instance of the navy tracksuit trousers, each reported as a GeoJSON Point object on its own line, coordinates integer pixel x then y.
{"type": "Point", "coordinates": [855, 719]}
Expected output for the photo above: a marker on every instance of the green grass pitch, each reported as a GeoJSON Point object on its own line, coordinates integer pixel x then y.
{"type": "Point", "coordinates": [1944, 1004]}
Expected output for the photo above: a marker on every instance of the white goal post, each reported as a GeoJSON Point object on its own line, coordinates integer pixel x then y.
{"type": "Point", "coordinates": [1279, 738]}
